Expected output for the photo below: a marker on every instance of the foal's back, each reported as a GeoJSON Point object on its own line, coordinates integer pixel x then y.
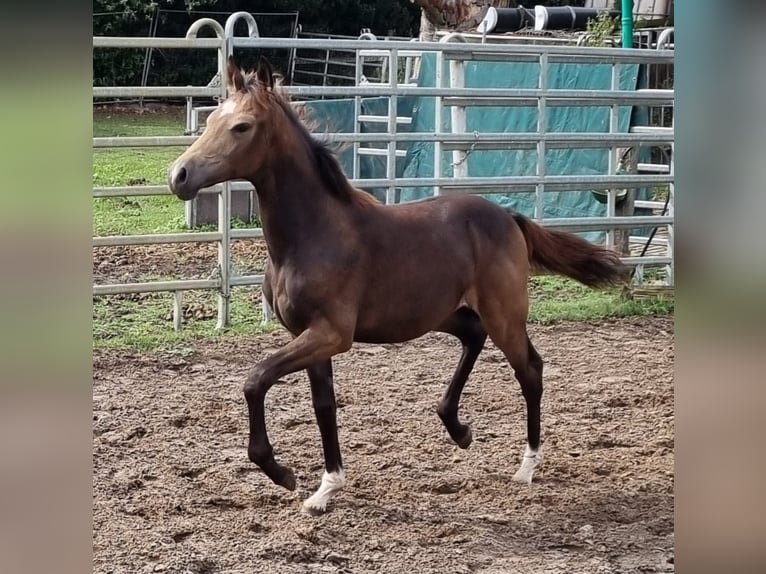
{"type": "Point", "coordinates": [423, 260]}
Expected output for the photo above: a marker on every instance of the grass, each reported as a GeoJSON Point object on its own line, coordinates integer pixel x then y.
{"type": "Point", "coordinates": [143, 322]}
{"type": "Point", "coordinates": [135, 166]}
{"type": "Point", "coordinates": [556, 298]}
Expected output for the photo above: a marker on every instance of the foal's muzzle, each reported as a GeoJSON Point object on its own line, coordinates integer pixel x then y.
{"type": "Point", "coordinates": [181, 180]}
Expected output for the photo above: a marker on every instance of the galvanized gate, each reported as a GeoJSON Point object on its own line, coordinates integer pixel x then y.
{"type": "Point", "coordinates": [450, 94]}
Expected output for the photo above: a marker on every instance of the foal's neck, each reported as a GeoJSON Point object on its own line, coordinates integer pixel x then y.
{"type": "Point", "coordinates": [295, 209]}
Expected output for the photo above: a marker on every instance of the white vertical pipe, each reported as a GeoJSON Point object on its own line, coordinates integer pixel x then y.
{"type": "Point", "coordinates": [438, 120]}
{"type": "Point", "coordinates": [357, 112]}
{"type": "Point", "coordinates": [458, 117]}
{"type": "Point", "coordinates": [178, 310]}
{"type": "Point", "coordinates": [541, 127]}
{"type": "Point", "coordinates": [224, 204]}
{"type": "Point", "coordinates": [612, 168]}
{"type": "Point", "coordinates": [266, 311]}
{"type": "Point", "coordinates": [670, 269]}
{"type": "Point", "coordinates": [393, 78]}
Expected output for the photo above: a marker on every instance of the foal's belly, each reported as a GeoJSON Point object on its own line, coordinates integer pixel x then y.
{"type": "Point", "coordinates": [397, 315]}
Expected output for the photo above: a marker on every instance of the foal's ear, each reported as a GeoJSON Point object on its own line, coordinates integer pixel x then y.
{"type": "Point", "coordinates": [234, 79]}
{"type": "Point", "coordinates": [264, 74]}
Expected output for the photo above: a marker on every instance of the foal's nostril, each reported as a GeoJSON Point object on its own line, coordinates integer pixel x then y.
{"type": "Point", "coordinates": [181, 175]}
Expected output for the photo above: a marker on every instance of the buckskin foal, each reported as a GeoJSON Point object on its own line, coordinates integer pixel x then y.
{"type": "Point", "coordinates": [342, 268]}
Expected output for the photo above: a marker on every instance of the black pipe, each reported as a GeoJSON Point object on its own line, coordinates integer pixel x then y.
{"type": "Point", "coordinates": [567, 17]}
{"type": "Point", "coordinates": [501, 20]}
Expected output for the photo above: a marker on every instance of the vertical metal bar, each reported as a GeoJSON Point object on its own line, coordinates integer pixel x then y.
{"type": "Point", "coordinates": [408, 70]}
{"type": "Point", "coordinates": [613, 121]}
{"type": "Point", "coordinates": [266, 310]}
{"type": "Point", "coordinates": [148, 52]}
{"type": "Point", "coordinates": [178, 310]}
{"type": "Point", "coordinates": [194, 127]}
{"type": "Point", "coordinates": [190, 207]}
{"type": "Point", "coordinates": [439, 83]}
{"type": "Point", "coordinates": [224, 213]}
{"type": "Point", "coordinates": [638, 275]}
{"type": "Point", "coordinates": [393, 78]}
{"type": "Point", "coordinates": [541, 127]}
{"type": "Point", "coordinates": [224, 255]}
{"type": "Point", "coordinates": [670, 269]}
{"type": "Point", "coordinates": [188, 114]}
{"type": "Point", "coordinates": [458, 117]}
{"type": "Point", "coordinates": [357, 113]}
{"type": "Point", "coordinates": [326, 66]}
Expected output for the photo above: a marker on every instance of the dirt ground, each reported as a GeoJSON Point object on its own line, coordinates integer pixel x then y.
{"type": "Point", "coordinates": [174, 491]}
{"type": "Point", "coordinates": [134, 262]}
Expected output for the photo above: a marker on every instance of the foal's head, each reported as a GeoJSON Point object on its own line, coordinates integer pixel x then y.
{"type": "Point", "coordinates": [238, 136]}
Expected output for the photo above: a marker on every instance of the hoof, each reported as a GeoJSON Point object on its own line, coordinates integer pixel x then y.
{"type": "Point", "coordinates": [288, 479]}
{"type": "Point", "coordinates": [523, 476]}
{"type": "Point", "coordinates": [312, 510]}
{"type": "Point", "coordinates": [530, 461]}
{"type": "Point", "coordinates": [466, 440]}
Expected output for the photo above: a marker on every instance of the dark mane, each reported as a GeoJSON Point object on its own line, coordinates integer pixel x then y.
{"type": "Point", "coordinates": [325, 161]}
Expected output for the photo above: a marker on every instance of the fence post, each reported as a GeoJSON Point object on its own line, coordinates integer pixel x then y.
{"type": "Point", "coordinates": [393, 80]}
{"type": "Point", "coordinates": [611, 199]}
{"type": "Point", "coordinates": [626, 207]}
{"type": "Point", "coordinates": [224, 208]}
{"type": "Point", "coordinates": [438, 130]}
{"type": "Point", "coordinates": [541, 127]}
{"type": "Point", "coordinates": [670, 268]}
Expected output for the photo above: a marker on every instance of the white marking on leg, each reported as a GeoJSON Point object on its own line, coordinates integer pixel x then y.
{"type": "Point", "coordinates": [332, 482]}
{"type": "Point", "coordinates": [532, 459]}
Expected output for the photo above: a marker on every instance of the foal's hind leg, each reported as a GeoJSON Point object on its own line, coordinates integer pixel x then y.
{"type": "Point", "coordinates": [466, 326]}
{"type": "Point", "coordinates": [323, 398]}
{"type": "Point", "coordinates": [528, 368]}
{"type": "Point", "coordinates": [529, 372]}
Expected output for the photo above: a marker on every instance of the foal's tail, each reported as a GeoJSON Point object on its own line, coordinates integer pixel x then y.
{"type": "Point", "coordinates": [570, 255]}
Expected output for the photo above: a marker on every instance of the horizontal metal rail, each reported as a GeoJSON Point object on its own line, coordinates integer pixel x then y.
{"type": "Point", "coordinates": [507, 52]}
{"type": "Point", "coordinates": [384, 119]}
{"type": "Point", "coordinates": [558, 96]}
{"type": "Point", "coordinates": [157, 239]}
{"type": "Point", "coordinates": [502, 96]}
{"type": "Point", "coordinates": [178, 285]}
{"type": "Point", "coordinates": [509, 139]}
{"type": "Point", "coordinates": [143, 141]}
{"type": "Point", "coordinates": [246, 280]}
{"type": "Point", "coordinates": [254, 280]}
{"type": "Point", "coordinates": [593, 98]}
{"type": "Point", "coordinates": [647, 261]}
{"type": "Point", "coordinates": [156, 286]}
{"type": "Point", "coordinates": [501, 52]}
{"type": "Point", "coordinates": [502, 184]}
{"type": "Point", "coordinates": [599, 223]}
{"type": "Point", "coordinates": [647, 204]}
{"type": "Point", "coordinates": [159, 43]}
{"type": "Point", "coordinates": [155, 92]}
{"type": "Point", "coordinates": [171, 238]}
{"type": "Point", "coordinates": [551, 182]}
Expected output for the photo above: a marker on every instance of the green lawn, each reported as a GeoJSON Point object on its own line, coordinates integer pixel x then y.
{"type": "Point", "coordinates": [143, 322]}
{"type": "Point", "coordinates": [135, 166]}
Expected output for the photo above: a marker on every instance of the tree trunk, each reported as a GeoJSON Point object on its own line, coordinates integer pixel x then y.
{"type": "Point", "coordinates": [455, 15]}
{"type": "Point", "coordinates": [427, 28]}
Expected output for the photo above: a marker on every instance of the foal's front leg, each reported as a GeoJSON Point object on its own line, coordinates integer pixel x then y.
{"type": "Point", "coordinates": [316, 344]}
{"type": "Point", "coordinates": [323, 398]}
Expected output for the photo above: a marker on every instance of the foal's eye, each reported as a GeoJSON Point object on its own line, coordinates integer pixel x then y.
{"type": "Point", "coordinates": [241, 128]}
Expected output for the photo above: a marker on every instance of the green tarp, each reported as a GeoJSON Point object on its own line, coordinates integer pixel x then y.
{"type": "Point", "coordinates": [420, 157]}
{"type": "Point", "coordinates": [338, 116]}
